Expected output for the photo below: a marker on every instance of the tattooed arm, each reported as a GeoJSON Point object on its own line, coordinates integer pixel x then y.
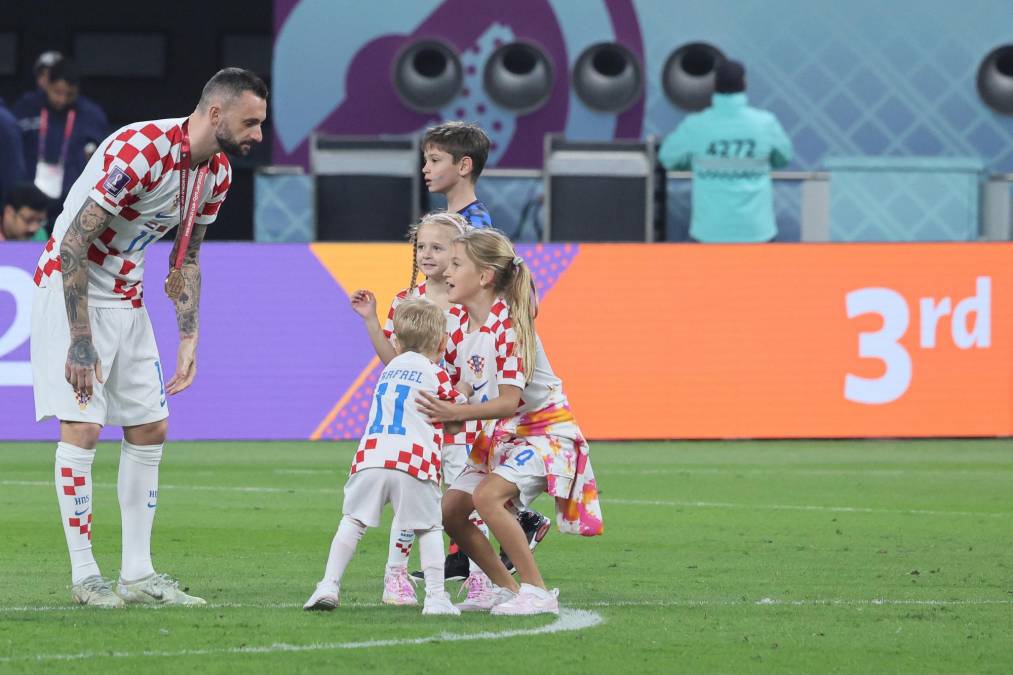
{"type": "Point", "coordinates": [82, 359]}
{"type": "Point", "coordinates": [187, 307]}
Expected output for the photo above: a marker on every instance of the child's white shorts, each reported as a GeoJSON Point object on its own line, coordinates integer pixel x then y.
{"type": "Point", "coordinates": [416, 502]}
{"type": "Point", "coordinates": [524, 468]}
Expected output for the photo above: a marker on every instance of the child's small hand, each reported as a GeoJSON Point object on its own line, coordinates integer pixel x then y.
{"type": "Point", "coordinates": [364, 303]}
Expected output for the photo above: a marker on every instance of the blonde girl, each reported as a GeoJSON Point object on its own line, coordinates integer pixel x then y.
{"type": "Point", "coordinates": [431, 239]}
{"type": "Point", "coordinates": [534, 446]}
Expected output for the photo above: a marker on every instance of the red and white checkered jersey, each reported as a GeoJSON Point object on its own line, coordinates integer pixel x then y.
{"type": "Point", "coordinates": [470, 429]}
{"type": "Point", "coordinates": [134, 175]}
{"type": "Point", "coordinates": [399, 435]}
{"type": "Point", "coordinates": [417, 292]}
{"type": "Point", "coordinates": [490, 354]}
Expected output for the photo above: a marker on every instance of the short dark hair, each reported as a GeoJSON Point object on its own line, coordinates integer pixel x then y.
{"type": "Point", "coordinates": [26, 194]}
{"type": "Point", "coordinates": [730, 78]}
{"type": "Point", "coordinates": [460, 139]}
{"type": "Point", "coordinates": [66, 70]}
{"type": "Point", "coordinates": [232, 82]}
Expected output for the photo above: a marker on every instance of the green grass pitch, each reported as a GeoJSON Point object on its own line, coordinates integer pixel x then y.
{"type": "Point", "coordinates": [733, 557]}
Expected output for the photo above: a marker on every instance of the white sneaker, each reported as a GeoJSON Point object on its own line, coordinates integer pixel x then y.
{"type": "Point", "coordinates": [530, 600]}
{"type": "Point", "coordinates": [439, 603]}
{"type": "Point", "coordinates": [158, 589]}
{"type": "Point", "coordinates": [398, 588]}
{"type": "Point", "coordinates": [483, 595]}
{"type": "Point", "coordinates": [96, 592]}
{"type": "Point", "coordinates": [324, 598]}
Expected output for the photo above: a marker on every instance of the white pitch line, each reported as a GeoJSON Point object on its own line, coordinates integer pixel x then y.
{"type": "Point", "coordinates": [813, 602]}
{"type": "Point", "coordinates": [199, 488]}
{"type": "Point", "coordinates": [800, 507]}
{"type": "Point", "coordinates": [765, 602]}
{"type": "Point", "coordinates": [628, 502]}
{"type": "Point", "coordinates": [569, 620]}
{"type": "Point", "coordinates": [732, 471]}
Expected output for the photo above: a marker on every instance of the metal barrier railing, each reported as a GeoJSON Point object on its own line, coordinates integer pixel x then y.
{"type": "Point", "coordinates": [996, 200]}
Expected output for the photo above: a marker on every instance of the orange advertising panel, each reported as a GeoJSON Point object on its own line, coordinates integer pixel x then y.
{"type": "Point", "coordinates": [668, 341]}
{"type": "Point", "coordinates": [751, 341]}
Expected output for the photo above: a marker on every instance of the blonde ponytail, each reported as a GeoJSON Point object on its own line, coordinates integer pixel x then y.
{"type": "Point", "coordinates": [491, 249]}
{"type": "Point", "coordinates": [522, 296]}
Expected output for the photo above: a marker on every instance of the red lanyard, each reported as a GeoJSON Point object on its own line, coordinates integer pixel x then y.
{"type": "Point", "coordinates": [187, 210]}
{"type": "Point", "coordinates": [67, 130]}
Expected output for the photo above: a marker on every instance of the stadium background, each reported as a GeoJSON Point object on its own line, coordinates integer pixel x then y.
{"type": "Point", "coordinates": [730, 341]}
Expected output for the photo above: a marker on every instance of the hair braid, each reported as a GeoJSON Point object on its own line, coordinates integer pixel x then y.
{"type": "Point", "coordinates": [414, 240]}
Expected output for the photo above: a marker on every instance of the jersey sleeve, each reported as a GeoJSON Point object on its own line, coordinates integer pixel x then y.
{"type": "Point", "coordinates": [388, 325]}
{"type": "Point", "coordinates": [509, 364]}
{"type": "Point", "coordinates": [132, 163]}
{"type": "Point", "coordinates": [445, 389]}
{"type": "Point", "coordinates": [220, 171]}
{"type": "Point", "coordinates": [455, 335]}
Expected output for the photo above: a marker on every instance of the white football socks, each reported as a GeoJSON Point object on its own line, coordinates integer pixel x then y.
{"type": "Point", "coordinates": [74, 494]}
{"type": "Point", "coordinates": [400, 546]}
{"type": "Point", "coordinates": [431, 553]}
{"type": "Point", "coordinates": [137, 488]}
{"type": "Point", "coordinates": [343, 546]}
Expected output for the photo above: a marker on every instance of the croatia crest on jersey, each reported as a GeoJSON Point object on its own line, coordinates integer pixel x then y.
{"type": "Point", "coordinates": [477, 364]}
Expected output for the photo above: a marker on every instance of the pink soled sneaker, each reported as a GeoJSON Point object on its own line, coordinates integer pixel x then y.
{"type": "Point", "coordinates": [398, 588]}
{"type": "Point", "coordinates": [531, 600]}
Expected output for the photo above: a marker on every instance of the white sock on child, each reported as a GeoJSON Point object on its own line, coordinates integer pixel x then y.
{"type": "Point", "coordinates": [431, 553]}
{"type": "Point", "coordinates": [400, 546]}
{"type": "Point", "coordinates": [343, 546]}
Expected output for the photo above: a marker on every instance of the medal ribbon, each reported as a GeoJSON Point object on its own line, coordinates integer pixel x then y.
{"type": "Point", "coordinates": [187, 209]}
{"type": "Point", "coordinates": [68, 129]}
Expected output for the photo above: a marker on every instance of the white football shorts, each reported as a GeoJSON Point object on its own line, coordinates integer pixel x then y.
{"type": "Point", "coordinates": [134, 388]}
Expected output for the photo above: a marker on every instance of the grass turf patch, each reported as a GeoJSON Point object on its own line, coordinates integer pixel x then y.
{"type": "Point", "coordinates": [718, 557]}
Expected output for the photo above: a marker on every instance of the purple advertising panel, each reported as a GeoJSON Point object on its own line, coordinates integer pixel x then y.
{"type": "Point", "coordinates": [277, 340]}
{"type": "Point", "coordinates": [281, 353]}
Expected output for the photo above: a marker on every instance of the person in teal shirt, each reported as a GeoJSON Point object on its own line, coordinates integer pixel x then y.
{"type": "Point", "coordinates": [731, 148]}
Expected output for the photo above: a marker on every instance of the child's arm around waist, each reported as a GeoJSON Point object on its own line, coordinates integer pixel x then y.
{"type": "Point", "coordinates": [504, 405]}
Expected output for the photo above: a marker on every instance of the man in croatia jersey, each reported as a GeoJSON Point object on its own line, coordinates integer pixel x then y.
{"type": "Point", "coordinates": [94, 357]}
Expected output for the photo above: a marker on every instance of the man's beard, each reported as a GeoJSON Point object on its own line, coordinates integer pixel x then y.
{"type": "Point", "coordinates": [229, 145]}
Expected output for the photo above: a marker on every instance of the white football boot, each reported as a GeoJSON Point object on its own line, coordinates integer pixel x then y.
{"type": "Point", "coordinates": [95, 591]}
{"type": "Point", "coordinates": [157, 589]}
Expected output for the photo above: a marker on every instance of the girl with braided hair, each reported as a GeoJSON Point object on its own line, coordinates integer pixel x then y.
{"type": "Point", "coordinates": [431, 239]}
